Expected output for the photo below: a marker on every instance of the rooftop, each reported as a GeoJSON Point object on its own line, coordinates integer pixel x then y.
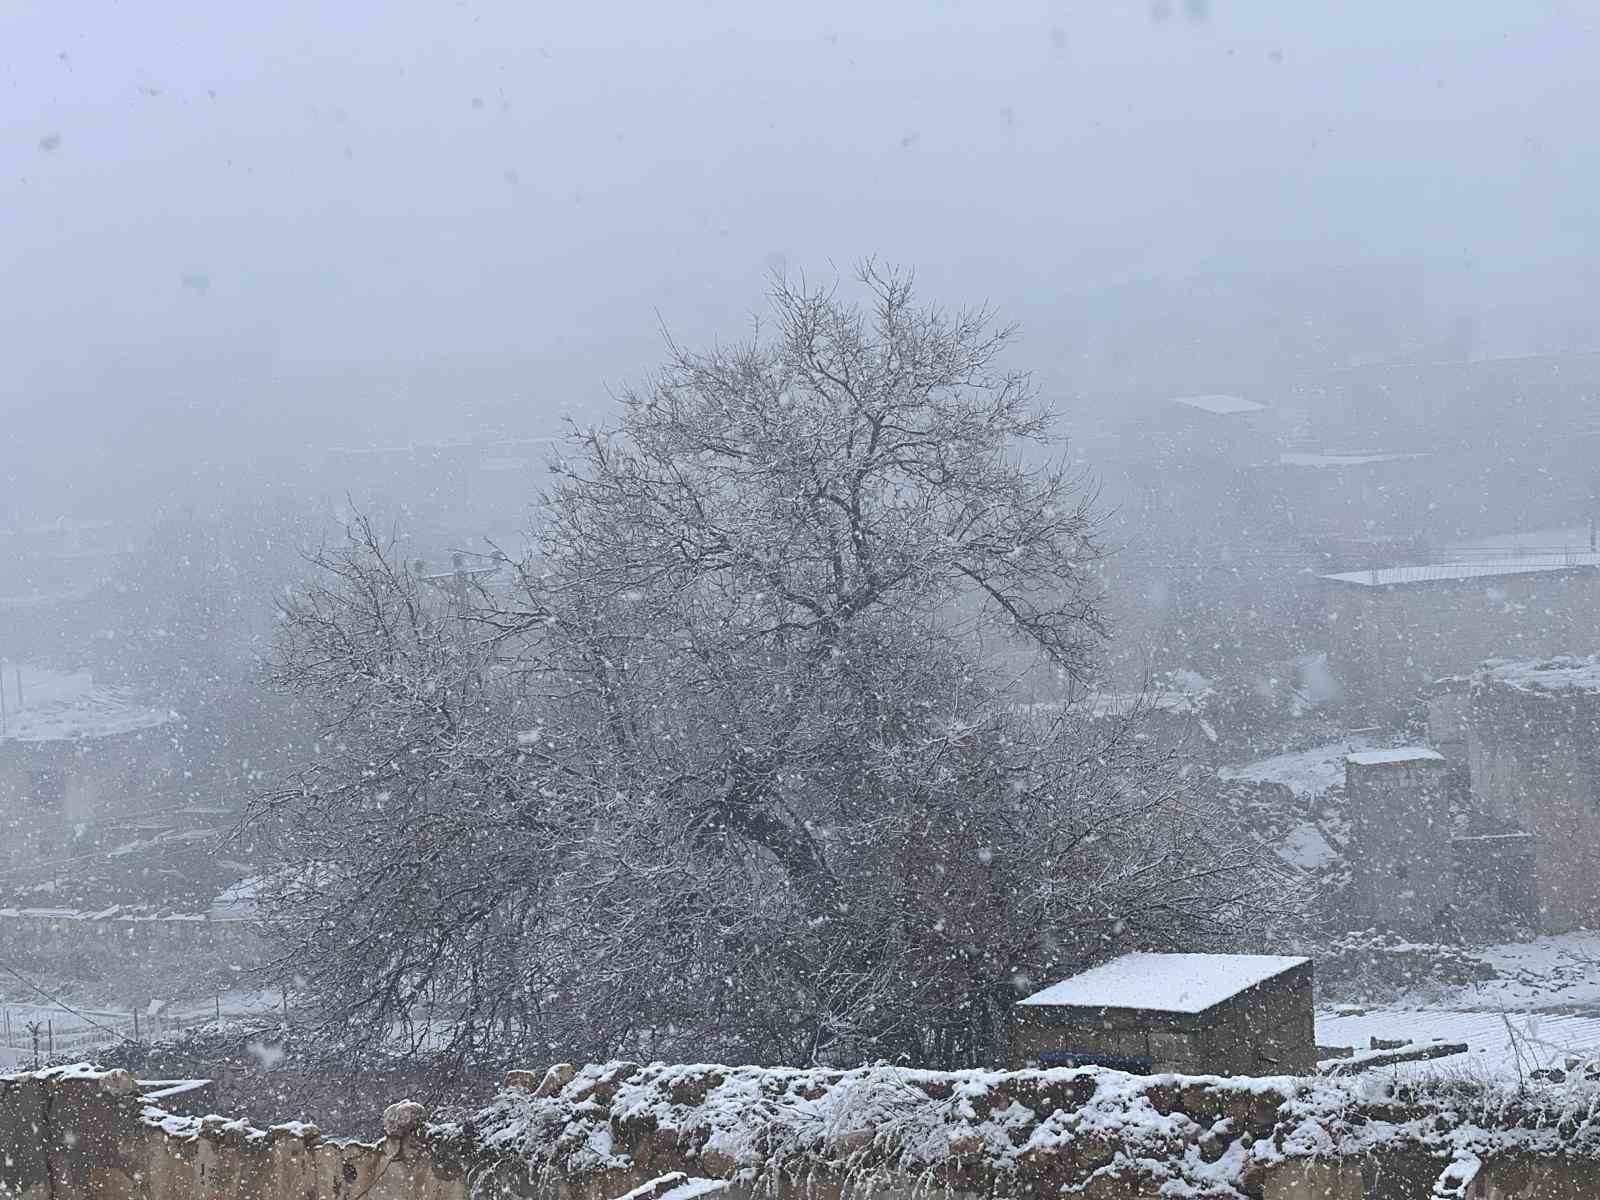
{"type": "Point", "coordinates": [1532, 564]}
{"type": "Point", "coordinates": [1296, 458]}
{"type": "Point", "coordinates": [1176, 983]}
{"type": "Point", "coordinates": [1306, 773]}
{"type": "Point", "coordinates": [1565, 673]}
{"type": "Point", "coordinates": [48, 706]}
{"type": "Point", "coordinates": [1221, 405]}
{"type": "Point", "coordinates": [1399, 754]}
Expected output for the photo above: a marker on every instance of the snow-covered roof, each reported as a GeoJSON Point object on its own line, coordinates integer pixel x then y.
{"type": "Point", "coordinates": [1179, 691]}
{"type": "Point", "coordinates": [1177, 983]}
{"type": "Point", "coordinates": [1306, 773]}
{"type": "Point", "coordinates": [60, 705]}
{"type": "Point", "coordinates": [1221, 405]}
{"type": "Point", "coordinates": [1295, 458]}
{"type": "Point", "coordinates": [1305, 846]}
{"type": "Point", "coordinates": [237, 901]}
{"type": "Point", "coordinates": [1108, 704]}
{"type": "Point", "coordinates": [1565, 673]}
{"type": "Point", "coordinates": [1448, 572]}
{"type": "Point", "coordinates": [1399, 754]}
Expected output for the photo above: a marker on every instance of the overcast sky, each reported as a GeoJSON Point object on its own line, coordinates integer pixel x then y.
{"type": "Point", "coordinates": [198, 197]}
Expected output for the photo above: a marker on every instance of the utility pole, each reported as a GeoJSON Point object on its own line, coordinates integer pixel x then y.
{"type": "Point", "coordinates": [1594, 511]}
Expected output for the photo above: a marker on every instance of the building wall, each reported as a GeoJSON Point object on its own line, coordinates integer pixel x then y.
{"type": "Point", "coordinates": [1385, 644]}
{"type": "Point", "coordinates": [1495, 878]}
{"type": "Point", "coordinates": [49, 788]}
{"type": "Point", "coordinates": [1387, 500]}
{"type": "Point", "coordinates": [1401, 865]}
{"type": "Point", "coordinates": [1171, 1042]}
{"type": "Point", "coordinates": [1269, 1030]}
{"type": "Point", "coordinates": [1448, 705]}
{"type": "Point", "coordinates": [1535, 759]}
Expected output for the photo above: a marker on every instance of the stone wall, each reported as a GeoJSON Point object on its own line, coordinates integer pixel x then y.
{"type": "Point", "coordinates": [80, 1135]}
{"type": "Point", "coordinates": [1533, 760]}
{"type": "Point", "coordinates": [608, 1131]}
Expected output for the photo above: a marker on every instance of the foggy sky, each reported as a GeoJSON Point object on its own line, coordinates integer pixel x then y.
{"type": "Point", "coordinates": [207, 206]}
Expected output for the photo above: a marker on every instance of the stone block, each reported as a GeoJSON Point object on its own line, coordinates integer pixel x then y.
{"type": "Point", "coordinates": [1313, 1180]}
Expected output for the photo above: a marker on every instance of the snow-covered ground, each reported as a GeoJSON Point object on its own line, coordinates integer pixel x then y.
{"type": "Point", "coordinates": [1312, 837]}
{"type": "Point", "coordinates": [1560, 973]}
{"type": "Point", "coordinates": [58, 705]}
{"type": "Point", "coordinates": [1543, 1007]}
{"type": "Point", "coordinates": [1503, 1045]}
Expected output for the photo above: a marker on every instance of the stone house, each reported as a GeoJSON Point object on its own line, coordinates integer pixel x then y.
{"type": "Point", "coordinates": [1533, 744]}
{"type": "Point", "coordinates": [72, 752]}
{"type": "Point", "coordinates": [1393, 631]}
{"type": "Point", "coordinates": [1197, 1014]}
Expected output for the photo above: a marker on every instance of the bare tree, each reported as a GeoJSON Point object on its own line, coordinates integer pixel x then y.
{"type": "Point", "coordinates": [771, 794]}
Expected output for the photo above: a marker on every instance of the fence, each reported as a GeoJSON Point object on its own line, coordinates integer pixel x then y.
{"type": "Point", "coordinates": [32, 1035]}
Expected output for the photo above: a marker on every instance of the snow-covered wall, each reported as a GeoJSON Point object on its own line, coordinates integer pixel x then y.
{"type": "Point", "coordinates": [674, 1132]}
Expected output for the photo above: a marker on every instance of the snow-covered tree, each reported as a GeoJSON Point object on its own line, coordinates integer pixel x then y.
{"type": "Point", "coordinates": [731, 768]}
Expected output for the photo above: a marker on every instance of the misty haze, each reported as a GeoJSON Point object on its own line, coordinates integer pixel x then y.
{"type": "Point", "coordinates": [632, 601]}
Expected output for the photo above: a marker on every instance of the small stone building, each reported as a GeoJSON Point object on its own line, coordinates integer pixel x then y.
{"type": "Point", "coordinates": [71, 753]}
{"type": "Point", "coordinates": [1533, 742]}
{"type": "Point", "coordinates": [1393, 631]}
{"type": "Point", "coordinates": [1195, 1014]}
{"type": "Point", "coordinates": [1402, 873]}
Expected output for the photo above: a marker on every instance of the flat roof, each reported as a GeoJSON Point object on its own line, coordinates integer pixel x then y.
{"type": "Point", "coordinates": [1298, 458]}
{"type": "Point", "coordinates": [1222, 405]}
{"type": "Point", "coordinates": [1398, 754]}
{"type": "Point", "coordinates": [1176, 983]}
{"type": "Point", "coordinates": [1563, 673]}
{"type": "Point", "coordinates": [1484, 568]}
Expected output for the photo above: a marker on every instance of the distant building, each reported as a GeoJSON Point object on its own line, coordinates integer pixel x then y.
{"type": "Point", "coordinates": [70, 753]}
{"type": "Point", "coordinates": [1393, 631]}
{"type": "Point", "coordinates": [1227, 429]}
{"type": "Point", "coordinates": [1353, 509]}
{"type": "Point", "coordinates": [1173, 715]}
{"type": "Point", "coordinates": [1533, 741]}
{"type": "Point", "coordinates": [1201, 537]}
{"type": "Point", "coordinates": [1401, 870]}
{"type": "Point", "coordinates": [1508, 435]}
{"type": "Point", "coordinates": [1197, 1014]}
{"type": "Point", "coordinates": [1448, 701]}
